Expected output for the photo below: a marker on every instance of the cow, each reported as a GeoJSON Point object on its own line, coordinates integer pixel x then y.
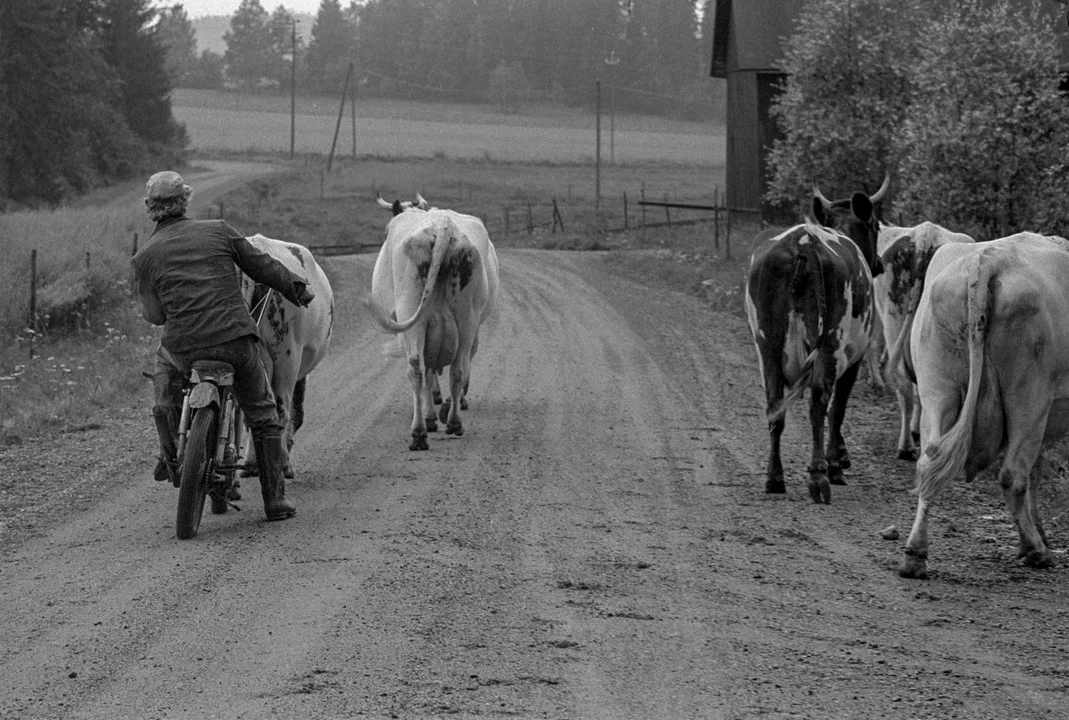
{"type": "Point", "coordinates": [905, 253]}
{"type": "Point", "coordinates": [294, 339]}
{"type": "Point", "coordinates": [434, 284]}
{"type": "Point", "coordinates": [990, 345]}
{"type": "Point", "coordinates": [809, 307]}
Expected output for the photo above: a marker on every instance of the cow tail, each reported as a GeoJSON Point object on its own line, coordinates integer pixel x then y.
{"type": "Point", "coordinates": [442, 241]}
{"type": "Point", "coordinates": [297, 405]}
{"type": "Point", "coordinates": [809, 275]}
{"type": "Point", "coordinates": [944, 459]}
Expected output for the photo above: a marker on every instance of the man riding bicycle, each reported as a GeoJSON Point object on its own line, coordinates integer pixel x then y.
{"type": "Point", "coordinates": [187, 282]}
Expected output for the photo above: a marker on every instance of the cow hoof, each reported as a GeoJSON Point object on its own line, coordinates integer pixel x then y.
{"type": "Point", "coordinates": [250, 471]}
{"type": "Point", "coordinates": [419, 442]}
{"type": "Point", "coordinates": [454, 429]}
{"type": "Point", "coordinates": [913, 567]}
{"type": "Point", "coordinates": [910, 455]}
{"type": "Point", "coordinates": [775, 486]}
{"type": "Point", "coordinates": [287, 472]}
{"type": "Point", "coordinates": [1036, 558]}
{"type": "Point", "coordinates": [835, 475]}
{"type": "Point", "coordinates": [432, 423]}
{"type": "Point", "coordinates": [820, 490]}
{"type": "Point", "coordinates": [464, 403]}
{"type": "Point", "coordinates": [437, 397]}
{"type": "Point", "coordinates": [844, 461]}
{"type": "Point", "coordinates": [443, 412]}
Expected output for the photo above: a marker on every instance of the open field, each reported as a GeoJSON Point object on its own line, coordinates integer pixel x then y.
{"type": "Point", "coordinates": [229, 122]}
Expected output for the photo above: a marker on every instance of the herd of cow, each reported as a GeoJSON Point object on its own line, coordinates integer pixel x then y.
{"type": "Point", "coordinates": [973, 337]}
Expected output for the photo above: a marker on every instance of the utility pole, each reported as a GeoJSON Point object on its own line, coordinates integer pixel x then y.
{"type": "Point", "coordinates": [293, 90]}
{"type": "Point", "coordinates": [612, 61]}
{"type": "Point", "coordinates": [597, 151]}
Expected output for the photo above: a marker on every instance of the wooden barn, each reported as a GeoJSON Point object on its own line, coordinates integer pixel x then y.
{"type": "Point", "coordinates": [747, 45]}
{"type": "Point", "coordinates": [748, 40]}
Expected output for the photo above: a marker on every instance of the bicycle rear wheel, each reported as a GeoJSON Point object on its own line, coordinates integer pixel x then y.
{"type": "Point", "coordinates": [197, 468]}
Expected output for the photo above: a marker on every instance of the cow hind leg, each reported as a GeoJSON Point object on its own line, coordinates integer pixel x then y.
{"type": "Point", "coordinates": [774, 387]}
{"type": "Point", "coordinates": [915, 563]}
{"type": "Point", "coordinates": [838, 457]}
{"type": "Point", "coordinates": [419, 426]}
{"type": "Point", "coordinates": [1019, 478]}
{"type": "Point", "coordinates": [457, 375]}
{"type": "Point", "coordinates": [819, 484]}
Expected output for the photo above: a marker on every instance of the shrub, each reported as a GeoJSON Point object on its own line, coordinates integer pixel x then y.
{"type": "Point", "coordinates": [983, 148]}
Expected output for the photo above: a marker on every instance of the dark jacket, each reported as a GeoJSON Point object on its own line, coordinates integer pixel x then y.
{"type": "Point", "coordinates": [187, 282]}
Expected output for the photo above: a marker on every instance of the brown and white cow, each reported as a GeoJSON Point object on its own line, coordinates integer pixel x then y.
{"type": "Point", "coordinates": [990, 344]}
{"type": "Point", "coordinates": [438, 270]}
{"type": "Point", "coordinates": [295, 339]}
{"type": "Point", "coordinates": [905, 253]}
{"type": "Point", "coordinates": [809, 306]}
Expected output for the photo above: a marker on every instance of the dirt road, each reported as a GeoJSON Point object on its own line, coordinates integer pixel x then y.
{"type": "Point", "coordinates": [597, 545]}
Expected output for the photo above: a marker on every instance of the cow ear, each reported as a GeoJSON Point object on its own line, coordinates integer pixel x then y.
{"type": "Point", "coordinates": [820, 212]}
{"type": "Point", "coordinates": [397, 209]}
{"type": "Point", "coordinates": [861, 206]}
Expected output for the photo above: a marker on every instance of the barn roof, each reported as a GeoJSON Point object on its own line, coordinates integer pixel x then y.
{"type": "Point", "coordinates": [748, 35]}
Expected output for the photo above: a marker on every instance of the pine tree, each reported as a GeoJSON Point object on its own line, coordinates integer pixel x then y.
{"type": "Point", "coordinates": [329, 49]}
{"type": "Point", "coordinates": [280, 33]}
{"type": "Point", "coordinates": [178, 38]}
{"type": "Point", "coordinates": [248, 45]}
{"type": "Point", "coordinates": [131, 46]}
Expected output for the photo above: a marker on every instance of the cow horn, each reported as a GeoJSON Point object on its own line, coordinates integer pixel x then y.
{"type": "Point", "coordinates": [420, 202]}
{"type": "Point", "coordinates": [820, 196]}
{"type": "Point", "coordinates": [883, 188]}
{"type": "Point", "coordinates": [382, 202]}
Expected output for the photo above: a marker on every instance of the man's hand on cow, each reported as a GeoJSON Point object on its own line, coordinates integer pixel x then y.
{"type": "Point", "coordinates": [303, 294]}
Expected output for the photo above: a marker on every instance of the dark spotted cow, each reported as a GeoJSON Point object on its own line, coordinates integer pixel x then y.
{"type": "Point", "coordinates": [809, 305]}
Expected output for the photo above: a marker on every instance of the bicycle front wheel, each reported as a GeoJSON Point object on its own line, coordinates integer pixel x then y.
{"type": "Point", "coordinates": [196, 471]}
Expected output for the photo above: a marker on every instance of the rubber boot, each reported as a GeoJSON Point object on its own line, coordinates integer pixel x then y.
{"type": "Point", "coordinates": [272, 484]}
{"type": "Point", "coordinates": [167, 428]}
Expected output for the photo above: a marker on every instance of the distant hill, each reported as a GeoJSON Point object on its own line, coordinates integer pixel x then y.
{"type": "Point", "coordinates": [211, 28]}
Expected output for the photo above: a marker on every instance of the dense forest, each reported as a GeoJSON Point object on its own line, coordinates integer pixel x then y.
{"type": "Point", "coordinates": [84, 97]}
{"type": "Point", "coordinates": [653, 52]}
{"type": "Point", "coordinates": [85, 85]}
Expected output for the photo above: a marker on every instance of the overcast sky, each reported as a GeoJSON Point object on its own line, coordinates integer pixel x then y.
{"type": "Point", "coordinates": [200, 8]}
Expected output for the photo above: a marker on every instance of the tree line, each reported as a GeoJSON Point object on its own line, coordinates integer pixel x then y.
{"type": "Point", "coordinates": [502, 51]}
{"type": "Point", "coordinates": [84, 97]}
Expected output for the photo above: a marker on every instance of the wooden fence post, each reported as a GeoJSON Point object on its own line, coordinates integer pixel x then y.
{"type": "Point", "coordinates": [716, 218]}
{"type": "Point", "coordinates": [31, 321]}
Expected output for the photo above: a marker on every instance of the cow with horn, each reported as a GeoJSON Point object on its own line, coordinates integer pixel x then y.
{"type": "Point", "coordinates": [810, 311]}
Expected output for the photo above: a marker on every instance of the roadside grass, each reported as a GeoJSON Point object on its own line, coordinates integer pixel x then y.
{"type": "Point", "coordinates": [82, 353]}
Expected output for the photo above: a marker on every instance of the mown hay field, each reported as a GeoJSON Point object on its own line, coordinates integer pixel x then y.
{"type": "Point", "coordinates": [230, 122]}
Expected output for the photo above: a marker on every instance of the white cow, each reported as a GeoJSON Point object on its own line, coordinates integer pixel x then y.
{"type": "Point", "coordinates": [990, 346]}
{"type": "Point", "coordinates": [906, 253]}
{"type": "Point", "coordinates": [434, 284]}
{"type": "Point", "coordinates": [295, 339]}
